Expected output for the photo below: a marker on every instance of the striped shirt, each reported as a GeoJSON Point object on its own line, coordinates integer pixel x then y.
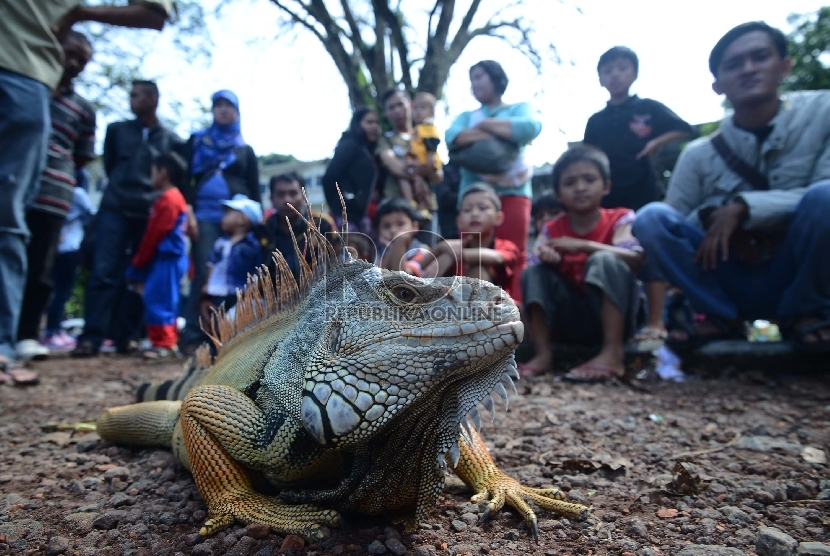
{"type": "Point", "coordinates": [72, 139]}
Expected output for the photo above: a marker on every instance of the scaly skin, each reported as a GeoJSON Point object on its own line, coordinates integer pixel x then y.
{"type": "Point", "coordinates": [478, 471]}
{"type": "Point", "coordinates": [346, 392]}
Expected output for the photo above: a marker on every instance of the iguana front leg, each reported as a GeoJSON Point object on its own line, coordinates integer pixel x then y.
{"type": "Point", "coordinates": [223, 429]}
{"type": "Point", "coordinates": [478, 470]}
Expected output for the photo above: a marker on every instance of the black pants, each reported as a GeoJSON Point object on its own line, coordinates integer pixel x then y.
{"type": "Point", "coordinates": [110, 310]}
{"type": "Point", "coordinates": [42, 250]}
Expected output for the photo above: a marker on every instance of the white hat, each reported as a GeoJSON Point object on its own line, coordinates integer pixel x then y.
{"type": "Point", "coordinates": [246, 206]}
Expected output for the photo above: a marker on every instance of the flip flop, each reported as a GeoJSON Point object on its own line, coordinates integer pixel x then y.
{"type": "Point", "coordinates": [12, 373]}
{"type": "Point", "coordinates": [647, 333]}
{"type": "Point", "coordinates": [601, 373]}
{"type": "Point", "coordinates": [526, 370]}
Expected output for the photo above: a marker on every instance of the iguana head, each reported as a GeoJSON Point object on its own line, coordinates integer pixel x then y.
{"type": "Point", "coordinates": [390, 343]}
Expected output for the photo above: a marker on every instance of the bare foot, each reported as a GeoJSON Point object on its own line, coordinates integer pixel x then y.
{"type": "Point", "coordinates": [606, 365]}
{"type": "Point", "coordinates": [702, 329]}
{"type": "Point", "coordinates": [539, 365]}
{"type": "Point", "coordinates": [822, 335]}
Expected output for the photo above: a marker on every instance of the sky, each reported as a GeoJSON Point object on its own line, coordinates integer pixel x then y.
{"type": "Point", "coordinates": [293, 101]}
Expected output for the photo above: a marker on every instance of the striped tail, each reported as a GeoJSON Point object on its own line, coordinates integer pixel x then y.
{"type": "Point", "coordinates": [195, 370]}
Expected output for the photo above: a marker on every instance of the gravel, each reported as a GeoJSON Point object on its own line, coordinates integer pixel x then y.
{"type": "Point", "coordinates": [69, 493]}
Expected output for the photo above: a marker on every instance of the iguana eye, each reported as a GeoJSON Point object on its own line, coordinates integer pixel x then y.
{"type": "Point", "coordinates": [404, 293]}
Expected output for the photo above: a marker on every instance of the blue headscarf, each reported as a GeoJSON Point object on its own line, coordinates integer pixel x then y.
{"type": "Point", "coordinates": [215, 147]}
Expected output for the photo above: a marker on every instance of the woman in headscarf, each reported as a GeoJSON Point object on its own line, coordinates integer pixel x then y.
{"type": "Point", "coordinates": [355, 170]}
{"type": "Point", "coordinates": [221, 166]}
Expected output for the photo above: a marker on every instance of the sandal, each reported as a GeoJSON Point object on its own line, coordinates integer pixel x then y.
{"type": "Point", "coordinates": [679, 316]}
{"type": "Point", "coordinates": [648, 333]}
{"type": "Point", "coordinates": [84, 348]}
{"type": "Point", "coordinates": [130, 348]}
{"type": "Point", "coordinates": [158, 353]}
{"type": "Point", "coordinates": [796, 334]}
{"type": "Point", "coordinates": [526, 370]}
{"type": "Point", "coordinates": [12, 372]}
{"type": "Point", "coordinates": [592, 373]}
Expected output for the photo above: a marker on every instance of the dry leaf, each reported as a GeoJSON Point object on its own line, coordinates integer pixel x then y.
{"type": "Point", "coordinates": [667, 513]}
{"type": "Point", "coordinates": [59, 438]}
{"type": "Point", "coordinates": [580, 465]}
{"type": "Point", "coordinates": [813, 455]}
{"type": "Point", "coordinates": [686, 481]}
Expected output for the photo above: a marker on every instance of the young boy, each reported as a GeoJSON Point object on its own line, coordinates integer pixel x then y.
{"type": "Point", "coordinates": [397, 225]}
{"type": "Point", "coordinates": [422, 148]}
{"type": "Point", "coordinates": [234, 256]}
{"type": "Point", "coordinates": [584, 287]}
{"type": "Point", "coordinates": [629, 130]}
{"type": "Point", "coordinates": [161, 260]}
{"type": "Point", "coordinates": [546, 207]}
{"type": "Point", "coordinates": [479, 254]}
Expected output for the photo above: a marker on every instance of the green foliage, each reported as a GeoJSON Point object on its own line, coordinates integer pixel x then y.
{"type": "Point", "coordinates": [274, 158]}
{"type": "Point", "coordinates": [75, 306]}
{"type": "Point", "coordinates": [809, 46]}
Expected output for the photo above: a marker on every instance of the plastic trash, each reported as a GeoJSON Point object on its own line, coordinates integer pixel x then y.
{"type": "Point", "coordinates": [668, 365]}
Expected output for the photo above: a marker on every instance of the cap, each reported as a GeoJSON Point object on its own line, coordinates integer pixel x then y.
{"type": "Point", "coordinates": [246, 206]}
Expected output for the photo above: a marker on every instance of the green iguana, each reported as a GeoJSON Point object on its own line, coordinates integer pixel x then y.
{"type": "Point", "coordinates": [344, 390]}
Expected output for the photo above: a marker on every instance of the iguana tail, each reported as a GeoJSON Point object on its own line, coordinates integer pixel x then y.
{"type": "Point", "coordinates": [195, 370]}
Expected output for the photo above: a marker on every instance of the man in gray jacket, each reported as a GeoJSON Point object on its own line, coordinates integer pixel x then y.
{"type": "Point", "coordinates": [745, 229]}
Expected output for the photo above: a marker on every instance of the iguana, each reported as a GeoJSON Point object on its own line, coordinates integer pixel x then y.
{"type": "Point", "coordinates": [344, 391]}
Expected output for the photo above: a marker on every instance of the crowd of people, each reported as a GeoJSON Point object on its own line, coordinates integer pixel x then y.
{"type": "Point", "coordinates": [738, 235]}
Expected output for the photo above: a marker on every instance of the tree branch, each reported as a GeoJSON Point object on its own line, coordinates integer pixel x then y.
{"type": "Point", "coordinates": [392, 20]}
{"type": "Point", "coordinates": [355, 37]}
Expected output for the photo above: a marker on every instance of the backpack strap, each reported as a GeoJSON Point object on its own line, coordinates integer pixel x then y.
{"type": "Point", "coordinates": [752, 176]}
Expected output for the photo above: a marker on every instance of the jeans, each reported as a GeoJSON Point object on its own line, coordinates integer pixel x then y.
{"type": "Point", "coordinates": [63, 280]}
{"type": "Point", "coordinates": [200, 250]}
{"type": "Point", "coordinates": [24, 136]}
{"type": "Point", "coordinates": [110, 310]}
{"type": "Point", "coordinates": [794, 282]}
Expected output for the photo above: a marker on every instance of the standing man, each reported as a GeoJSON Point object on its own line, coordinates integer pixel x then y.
{"type": "Point", "coordinates": [71, 147]}
{"type": "Point", "coordinates": [31, 64]}
{"type": "Point", "coordinates": [129, 148]}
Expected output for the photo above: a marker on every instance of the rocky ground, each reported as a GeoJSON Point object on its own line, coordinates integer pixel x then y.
{"type": "Point", "coordinates": [722, 466]}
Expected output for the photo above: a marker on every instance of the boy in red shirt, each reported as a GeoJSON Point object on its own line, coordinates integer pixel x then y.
{"type": "Point", "coordinates": [479, 253]}
{"type": "Point", "coordinates": [584, 287]}
{"type": "Point", "coordinates": [161, 260]}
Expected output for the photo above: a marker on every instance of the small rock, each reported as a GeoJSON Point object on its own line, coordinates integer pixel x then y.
{"type": "Point", "coordinates": [258, 530]}
{"type": "Point", "coordinates": [774, 542]}
{"type": "Point", "coordinates": [424, 550]}
{"type": "Point", "coordinates": [813, 549]}
{"type": "Point", "coordinates": [637, 528]}
{"type": "Point", "coordinates": [117, 472]}
{"type": "Point", "coordinates": [201, 550]}
{"type": "Point", "coordinates": [266, 550]}
{"type": "Point", "coordinates": [168, 518]}
{"type": "Point", "coordinates": [735, 516]}
{"type": "Point", "coordinates": [193, 539]}
{"type": "Point", "coordinates": [107, 521]}
{"type": "Point", "coordinates": [763, 497]}
{"type": "Point", "coordinates": [469, 519]}
{"type": "Point", "coordinates": [464, 549]}
{"type": "Point", "coordinates": [824, 494]}
{"type": "Point", "coordinates": [459, 526]}
{"type": "Point", "coordinates": [395, 546]}
{"type": "Point", "coordinates": [120, 499]}
{"type": "Point", "coordinates": [610, 517]}
{"type": "Point", "coordinates": [243, 547]}
{"type": "Point", "coordinates": [199, 516]}
{"type": "Point", "coordinates": [57, 545]}
{"type": "Point", "coordinates": [292, 542]}
{"type": "Point", "coordinates": [709, 550]}
{"type": "Point", "coordinates": [511, 535]}
{"type": "Point", "coordinates": [376, 548]}
{"type": "Point", "coordinates": [86, 445]}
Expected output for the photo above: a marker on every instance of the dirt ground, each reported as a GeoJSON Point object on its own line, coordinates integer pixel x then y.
{"type": "Point", "coordinates": [754, 447]}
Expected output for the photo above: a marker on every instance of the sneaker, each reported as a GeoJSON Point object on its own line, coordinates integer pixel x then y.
{"type": "Point", "coordinates": [59, 342]}
{"type": "Point", "coordinates": [68, 341]}
{"type": "Point", "coordinates": [31, 349]}
{"type": "Point", "coordinates": [108, 346]}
